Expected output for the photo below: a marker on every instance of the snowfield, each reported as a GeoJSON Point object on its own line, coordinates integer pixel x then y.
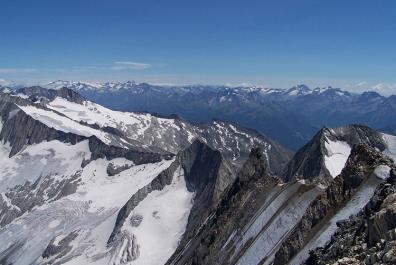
{"type": "Point", "coordinates": [62, 123]}
{"type": "Point", "coordinates": [83, 220]}
{"type": "Point", "coordinates": [164, 219]}
{"type": "Point", "coordinates": [337, 155]}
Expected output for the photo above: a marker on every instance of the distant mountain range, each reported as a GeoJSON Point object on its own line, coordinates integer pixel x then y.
{"type": "Point", "coordinates": [290, 116]}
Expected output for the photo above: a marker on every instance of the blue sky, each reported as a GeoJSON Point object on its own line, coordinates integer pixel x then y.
{"type": "Point", "coordinates": [272, 43]}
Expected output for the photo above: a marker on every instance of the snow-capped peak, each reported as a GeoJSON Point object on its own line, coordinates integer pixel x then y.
{"type": "Point", "coordinates": [299, 90]}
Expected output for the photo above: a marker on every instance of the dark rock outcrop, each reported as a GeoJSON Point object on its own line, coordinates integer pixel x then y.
{"type": "Point", "coordinates": [138, 156]}
{"type": "Point", "coordinates": [216, 240]}
{"type": "Point", "coordinates": [114, 170]}
{"type": "Point", "coordinates": [54, 252]}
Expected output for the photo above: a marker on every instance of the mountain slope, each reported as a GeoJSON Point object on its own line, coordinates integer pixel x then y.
{"type": "Point", "coordinates": [81, 184]}
{"type": "Point", "coordinates": [262, 220]}
{"type": "Point", "coordinates": [290, 116]}
{"type": "Point", "coordinates": [245, 106]}
{"type": "Point", "coordinates": [150, 131]}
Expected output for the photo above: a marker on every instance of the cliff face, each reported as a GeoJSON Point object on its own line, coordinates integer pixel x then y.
{"type": "Point", "coordinates": [237, 206]}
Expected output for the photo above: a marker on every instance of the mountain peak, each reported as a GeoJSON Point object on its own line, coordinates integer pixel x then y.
{"type": "Point", "coordinates": [299, 90]}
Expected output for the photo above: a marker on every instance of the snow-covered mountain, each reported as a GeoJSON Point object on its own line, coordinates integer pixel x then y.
{"type": "Point", "coordinates": [290, 116]}
{"type": "Point", "coordinates": [84, 184]}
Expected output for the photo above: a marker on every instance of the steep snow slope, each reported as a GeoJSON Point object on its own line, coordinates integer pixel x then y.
{"type": "Point", "coordinates": [160, 220]}
{"type": "Point", "coordinates": [63, 123]}
{"type": "Point", "coordinates": [390, 141]}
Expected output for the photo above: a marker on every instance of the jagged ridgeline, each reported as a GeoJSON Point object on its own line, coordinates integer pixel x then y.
{"type": "Point", "coordinates": [83, 184]}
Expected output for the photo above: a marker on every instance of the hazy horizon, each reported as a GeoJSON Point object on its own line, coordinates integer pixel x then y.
{"type": "Point", "coordinates": [268, 43]}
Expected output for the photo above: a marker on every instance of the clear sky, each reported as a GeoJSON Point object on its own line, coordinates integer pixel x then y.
{"type": "Point", "coordinates": [275, 43]}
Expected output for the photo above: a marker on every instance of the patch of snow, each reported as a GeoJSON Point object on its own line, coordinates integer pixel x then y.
{"type": "Point", "coordinates": [337, 155]}
{"type": "Point", "coordinates": [390, 141]}
{"type": "Point", "coordinates": [382, 171]}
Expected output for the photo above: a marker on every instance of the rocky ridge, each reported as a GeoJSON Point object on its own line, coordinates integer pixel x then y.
{"type": "Point", "coordinates": [367, 238]}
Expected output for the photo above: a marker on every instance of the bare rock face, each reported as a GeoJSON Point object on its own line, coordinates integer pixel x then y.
{"type": "Point", "coordinates": [208, 175]}
{"type": "Point", "coordinates": [236, 207]}
{"type": "Point", "coordinates": [101, 150]}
